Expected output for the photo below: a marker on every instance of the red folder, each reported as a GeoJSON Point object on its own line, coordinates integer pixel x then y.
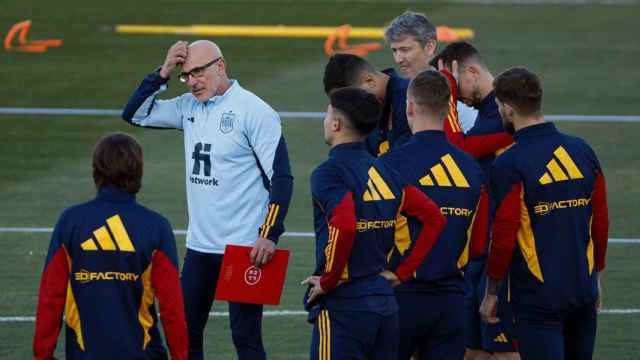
{"type": "Point", "coordinates": [240, 281]}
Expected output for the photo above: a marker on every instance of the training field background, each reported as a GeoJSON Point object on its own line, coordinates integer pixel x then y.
{"type": "Point", "coordinates": [586, 55]}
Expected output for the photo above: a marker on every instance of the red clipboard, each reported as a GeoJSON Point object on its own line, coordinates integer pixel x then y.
{"type": "Point", "coordinates": [240, 281]}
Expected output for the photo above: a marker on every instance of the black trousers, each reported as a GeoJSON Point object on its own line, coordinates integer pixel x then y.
{"type": "Point", "coordinates": [199, 278]}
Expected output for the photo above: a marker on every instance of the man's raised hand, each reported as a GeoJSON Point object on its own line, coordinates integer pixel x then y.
{"type": "Point", "coordinates": [176, 55]}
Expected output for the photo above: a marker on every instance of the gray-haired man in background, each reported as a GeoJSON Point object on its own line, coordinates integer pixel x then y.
{"type": "Point", "coordinates": [413, 41]}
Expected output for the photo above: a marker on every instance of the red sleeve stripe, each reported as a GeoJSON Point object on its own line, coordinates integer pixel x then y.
{"type": "Point", "coordinates": [165, 281]}
{"type": "Point", "coordinates": [418, 205]}
{"type": "Point", "coordinates": [343, 219]}
{"type": "Point", "coordinates": [480, 226]}
{"type": "Point", "coordinates": [506, 225]}
{"type": "Point", "coordinates": [600, 224]}
{"type": "Point", "coordinates": [51, 302]}
{"type": "Point", "coordinates": [475, 238]}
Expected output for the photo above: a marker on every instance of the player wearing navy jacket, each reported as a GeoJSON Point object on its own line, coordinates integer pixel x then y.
{"type": "Point", "coordinates": [477, 145]}
{"type": "Point", "coordinates": [389, 88]}
{"type": "Point", "coordinates": [108, 259]}
{"type": "Point", "coordinates": [453, 180]}
{"type": "Point", "coordinates": [475, 85]}
{"type": "Point", "coordinates": [352, 306]}
{"type": "Point", "coordinates": [550, 229]}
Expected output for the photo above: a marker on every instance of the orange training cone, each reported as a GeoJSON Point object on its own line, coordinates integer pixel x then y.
{"type": "Point", "coordinates": [342, 35]}
{"type": "Point", "coordinates": [24, 45]}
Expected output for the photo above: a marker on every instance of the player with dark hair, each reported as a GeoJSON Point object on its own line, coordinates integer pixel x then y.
{"type": "Point", "coordinates": [388, 87]}
{"type": "Point", "coordinates": [477, 144]}
{"type": "Point", "coordinates": [550, 229]}
{"type": "Point", "coordinates": [453, 180]}
{"type": "Point", "coordinates": [475, 84]}
{"type": "Point", "coordinates": [351, 301]}
{"type": "Point", "coordinates": [108, 259]}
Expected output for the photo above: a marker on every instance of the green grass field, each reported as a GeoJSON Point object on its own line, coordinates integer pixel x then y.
{"type": "Point", "coordinates": [585, 54]}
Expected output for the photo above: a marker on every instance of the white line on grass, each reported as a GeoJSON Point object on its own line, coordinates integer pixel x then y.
{"type": "Point", "coordinates": [274, 313]}
{"type": "Point", "coordinates": [265, 313]}
{"type": "Point", "coordinates": [33, 230]}
{"type": "Point", "coordinates": [289, 114]}
{"type": "Point", "coordinates": [546, 2]}
{"type": "Point", "coordinates": [11, 319]}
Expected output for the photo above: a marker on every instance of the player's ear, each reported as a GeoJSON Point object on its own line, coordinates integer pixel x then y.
{"type": "Point", "coordinates": [220, 67]}
{"type": "Point", "coordinates": [411, 111]}
{"type": "Point", "coordinates": [475, 70]}
{"type": "Point", "coordinates": [508, 110]}
{"type": "Point", "coordinates": [430, 47]}
{"type": "Point", "coordinates": [336, 124]}
{"type": "Point", "coordinates": [367, 81]}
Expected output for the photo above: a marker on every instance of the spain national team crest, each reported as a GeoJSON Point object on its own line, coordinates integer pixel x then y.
{"type": "Point", "coordinates": [252, 275]}
{"type": "Point", "coordinates": [226, 122]}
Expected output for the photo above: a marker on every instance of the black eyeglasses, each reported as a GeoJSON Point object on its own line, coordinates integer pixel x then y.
{"type": "Point", "coordinates": [198, 71]}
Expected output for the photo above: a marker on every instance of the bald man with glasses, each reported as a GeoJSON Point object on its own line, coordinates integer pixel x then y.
{"type": "Point", "coordinates": [238, 178]}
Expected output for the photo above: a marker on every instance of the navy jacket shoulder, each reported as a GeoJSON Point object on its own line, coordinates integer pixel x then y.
{"type": "Point", "coordinates": [393, 127]}
{"type": "Point", "coordinates": [147, 229]}
{"type": "Point", "coordinates": [453, 180]}
{"type": "Point", "coordinates": [556, 176]}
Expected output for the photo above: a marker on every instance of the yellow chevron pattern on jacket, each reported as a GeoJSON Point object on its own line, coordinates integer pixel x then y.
{"type": "Point", "coordinates": [501, 338]}
{"type": "Point", "coordinates": [103, 237]}
{"type": "Point", "coordinates": [445, 173]}
{"type": "Point", "coordinates": [377, 188]}
{"type": "Point", "coordinates": [556, 173]}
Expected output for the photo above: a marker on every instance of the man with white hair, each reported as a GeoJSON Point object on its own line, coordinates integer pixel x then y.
{"type": "Point", "coordinates": [238, 178]}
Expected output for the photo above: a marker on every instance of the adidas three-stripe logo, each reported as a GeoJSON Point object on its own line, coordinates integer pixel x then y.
{"type": "Point", "coordinates": [377, 189]}
{"type": "Point", "coordinates": [501, 338]}
{"type": "Point", "coordinates": [103, 237]}
{"type": "Point", "coordinates": [438, 174]}
{"type": "Point", "coordinates": [557, 173]}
